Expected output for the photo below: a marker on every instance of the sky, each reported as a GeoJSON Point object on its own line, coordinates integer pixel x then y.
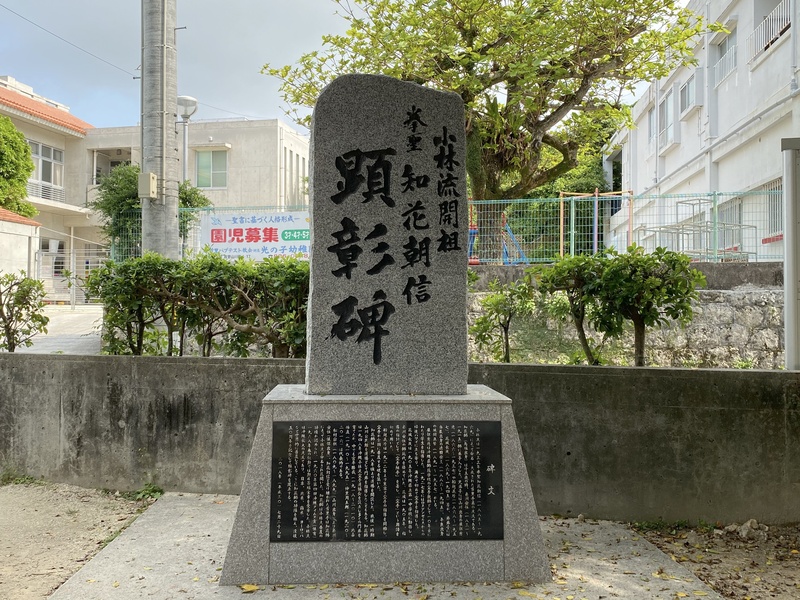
{"type": "Point", "coordinates": [220, 53]}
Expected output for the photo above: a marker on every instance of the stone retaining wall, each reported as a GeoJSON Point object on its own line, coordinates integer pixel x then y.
{"type": "Point", "coordinates": [740, 327]}
{"type": "Point", "coordinates": [632, 444]}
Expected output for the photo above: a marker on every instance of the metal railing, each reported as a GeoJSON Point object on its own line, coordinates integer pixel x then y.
{"type": "Point", "coordinates": [770, 30]}
{"type": "Point", "coordinates": [725, 65]}
{"type": "Point", "coordinates": [46, 191]}
{"type": "Point", "coordinates": [63, 273]}
{"type": "Point", "coordinates": [714, 226]}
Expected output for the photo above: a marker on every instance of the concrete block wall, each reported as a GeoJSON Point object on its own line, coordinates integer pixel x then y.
{"type": "Point", "coordinates": [608, 442]}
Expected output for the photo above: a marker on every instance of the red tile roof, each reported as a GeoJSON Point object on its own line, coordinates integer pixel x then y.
{"type": "Point", "coordinates": [38, 109]}
{"type": "Point", "coordinates": [12, 217]}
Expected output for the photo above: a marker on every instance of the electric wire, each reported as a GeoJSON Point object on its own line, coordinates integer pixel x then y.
{"type": "Point", "coordinates": [66, 41]}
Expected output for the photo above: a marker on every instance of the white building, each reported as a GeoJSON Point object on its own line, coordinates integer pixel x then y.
{"type": "Point", "coordinates": [67, 236]}
{"type": "Point", "coordinates": [236, 163]}
{"type": "Point", "coordinates": [709, 136]}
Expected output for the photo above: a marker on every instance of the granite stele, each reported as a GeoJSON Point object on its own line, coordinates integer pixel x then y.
{"type": "Point", "coordinates": [386, 465]}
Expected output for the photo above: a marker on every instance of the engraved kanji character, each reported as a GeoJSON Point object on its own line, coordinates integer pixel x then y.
{"type": "Point", "coordinates": [414, 118]}
{"type": "Point", "coordinates": [415, 217]}
{"type": "Point", "coordinates": [411, 181]}
{"type": "Point", "coordinates": [448, 242]}
{"type": "Point", "coordinates": [448, 213]}
{"type": "Point", "coordinates": [446, 156]}
{"type": "Point", "coordinates": [345, 248]}
{"type": "Point", "coordinates": [349, 165]}
{"type": "Point", "coordinates": [447, 185]}
{"type": "Point", "coordinates": [417, 251]}
{"type": "Point", "coordinates": [418, 289]}
{"type": "Point", "coordinates": [382, 247]}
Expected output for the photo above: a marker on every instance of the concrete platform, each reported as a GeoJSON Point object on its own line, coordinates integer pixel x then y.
{"type": "Point", "coordinates": [177, 547]}
{"type": "Point", "coordinates": [71, 330]}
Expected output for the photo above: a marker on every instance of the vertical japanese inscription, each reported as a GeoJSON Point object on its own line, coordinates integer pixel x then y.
{"type": "Point", "coordinates": [367, 176]}
{"type": "Point", "coordinates": [386, 480]}
{"type": "Point", "coordinates": [388, 261]}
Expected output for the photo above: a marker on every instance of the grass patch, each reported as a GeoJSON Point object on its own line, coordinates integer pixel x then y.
{"type": "Point", "coordinates": [150, 491]}
{"type": "Point", "coordinates": [660, 526]}
{"type": "Point", "coordinates": [10, 476]}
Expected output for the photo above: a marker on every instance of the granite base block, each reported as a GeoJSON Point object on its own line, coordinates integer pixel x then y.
{"type": "Point", "coordinates": [252, 558]}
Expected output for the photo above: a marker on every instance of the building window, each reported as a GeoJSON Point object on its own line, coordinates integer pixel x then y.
{"type": "Point", "coordinates": [726, 51]}
{"type": "Point", "coordinates": [729, 220]}
{"type": "Point", "coordinates": [666, 121]}
{"type": "Point", "coordinates": [774, 200]}
{"type": "Point", "coordinates": [651, 124]}
{"type": "Point", "coordinates": [47, 179]}
{"type": "Point", "coordinates": [212, 168]}
{"type": "Point", "coordinates": [688, 98]}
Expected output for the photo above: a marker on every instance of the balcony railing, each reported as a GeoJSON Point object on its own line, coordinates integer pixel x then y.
{"type": "Point", "coordinates": [46, 191]}
{"type": "Point", "coordinates": [725, 65]}
{"type": "Point", "coordinates": [770, 30]}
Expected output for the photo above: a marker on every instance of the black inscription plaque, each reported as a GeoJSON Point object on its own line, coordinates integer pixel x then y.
{"type": "Point", "coordinates": [386, 481]}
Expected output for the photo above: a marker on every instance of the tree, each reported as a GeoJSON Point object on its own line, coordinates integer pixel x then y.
{"type": "Point", "coordinates": [15, 168]}
{"type": "Point", "coordinates": [21, 310]}
{"type": "Point", "coordinates": [646, 289]}
{"type": "Point", "coordinates": [491, 330]}
{"type": "Point", "coordinates": [535, 221]}
{"type": "Point", "coordinates": [539, 78]}
{"type": "Point", "coordinates": [150, 300]}
{"type": "Point", "coordinates": [120, 208]}
{"type": "Point", "coordinates": [578, 278]}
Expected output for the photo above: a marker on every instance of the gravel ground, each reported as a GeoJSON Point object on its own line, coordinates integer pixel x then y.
{"type": "Point", "coordinates": [49, 531]}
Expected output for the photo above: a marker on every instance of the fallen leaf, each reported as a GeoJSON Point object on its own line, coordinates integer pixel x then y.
{"type": "Point", "coordinates": [115, 584]}
{"type": "Point", "coordinates": [697, 593]}
{"type": "Point", "coordinates": [248, 588]}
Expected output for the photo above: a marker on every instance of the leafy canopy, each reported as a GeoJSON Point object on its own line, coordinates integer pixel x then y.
{"type": "Point", "coordinates": [205, 302]}
{"type": "Point", "coordinates": [15, 168]}
{"type": "Point", "coordinates": [21, 310]}
{"type": "Point", "coordinates": [611, 289]}
{"type": "Point", "coordinates": [118, 205]}
{"type": "Point", "coordinates": [539, 78]}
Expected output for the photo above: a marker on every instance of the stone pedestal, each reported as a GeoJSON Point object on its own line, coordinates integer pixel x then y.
{"type": "Point", "coordinates": [517, 552]}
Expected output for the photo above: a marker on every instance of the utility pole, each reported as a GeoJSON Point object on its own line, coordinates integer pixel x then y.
{"type": "Point", "coordinates": [158, 184]}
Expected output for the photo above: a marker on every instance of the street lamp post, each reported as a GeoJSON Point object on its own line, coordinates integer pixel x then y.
{"type": "Point", "coordinates": [187, 106]}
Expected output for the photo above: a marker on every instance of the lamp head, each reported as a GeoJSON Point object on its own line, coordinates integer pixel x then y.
{"type": "Point", "coordinates": [187, 106]}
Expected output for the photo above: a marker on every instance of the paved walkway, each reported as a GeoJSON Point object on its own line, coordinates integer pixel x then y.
{"type": "Point", "coordinates": [70, 331]}
{"type": "Point", "coordinates": [177, 547]}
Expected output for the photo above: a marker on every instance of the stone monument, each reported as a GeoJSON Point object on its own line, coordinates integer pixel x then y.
{"type": "Point", "coordinates": [386, 465]}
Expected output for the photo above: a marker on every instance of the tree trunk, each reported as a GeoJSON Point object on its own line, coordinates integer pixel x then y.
{"type": "Point", "coordinates": [638, 341]}
{"type": "Point", "coordinates": [506, 345]}
{"type": "Point", "coordinates": [280, 350]}
{"type": "Point", "coordinates": [587, 348]}
{"type": "Point", "coordinates": [486, 216]}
